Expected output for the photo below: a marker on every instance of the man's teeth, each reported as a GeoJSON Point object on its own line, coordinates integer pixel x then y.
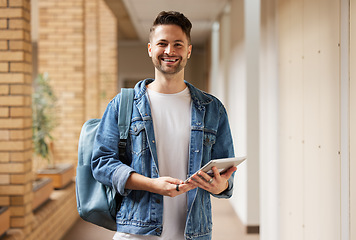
{"type": "Point", "coordinates": [170, 60]}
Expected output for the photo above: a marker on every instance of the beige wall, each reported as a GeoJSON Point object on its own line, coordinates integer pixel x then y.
{"type": "Point", "coordinates": [234, 80]}
{"type": "Point", "coordinates": [309, 74]}
{"type": "Point", "coordinates": [269, 100]}
{"type": "Point", "coordinates": [352, 121]}
{"type": "Point", "coordinates": [237, 104]}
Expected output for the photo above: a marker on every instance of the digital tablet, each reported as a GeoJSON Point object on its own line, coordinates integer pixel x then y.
{"type": "Point", "coordinates": [222, 164]}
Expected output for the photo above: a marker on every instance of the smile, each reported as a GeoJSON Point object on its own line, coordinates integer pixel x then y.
{"type": "Point", "coordinates": [170, 60]}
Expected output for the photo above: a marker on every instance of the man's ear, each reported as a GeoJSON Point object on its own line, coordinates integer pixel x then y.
{"type": "Point", "coordinates": [149, 49]}
{"type": "Point", "coordinates": [190, 50]}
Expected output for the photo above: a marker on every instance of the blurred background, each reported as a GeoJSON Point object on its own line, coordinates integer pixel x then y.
{"type": "Point", "coordinates": [282, 68]}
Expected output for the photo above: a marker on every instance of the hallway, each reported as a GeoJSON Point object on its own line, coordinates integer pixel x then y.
{"type": "Point", "coordinates": [227, 226]}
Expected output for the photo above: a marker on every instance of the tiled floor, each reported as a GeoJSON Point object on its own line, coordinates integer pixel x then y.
{"type": "Point", "coordinates": [227, 226]}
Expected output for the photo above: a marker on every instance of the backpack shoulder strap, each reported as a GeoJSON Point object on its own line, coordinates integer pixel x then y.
{"type": "Point", "coordinates": [125, 111]}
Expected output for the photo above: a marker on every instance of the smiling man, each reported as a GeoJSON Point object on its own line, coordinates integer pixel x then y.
{"type": "Point", "coordinates": [169, 49]}
{"type": "Point", "coordinates": [175, 129]}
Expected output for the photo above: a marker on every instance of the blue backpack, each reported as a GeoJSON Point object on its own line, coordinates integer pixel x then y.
{"type": "Point", "coordinates": [98, 203]}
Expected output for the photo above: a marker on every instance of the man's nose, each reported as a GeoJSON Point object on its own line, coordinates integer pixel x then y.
{"type": "Point", "coordinates": [169, 50]}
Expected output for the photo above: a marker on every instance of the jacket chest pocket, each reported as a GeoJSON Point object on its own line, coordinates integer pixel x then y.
{"type": "Point", "coordinates": [138, 138]}
{"type": "Point", "coordinates": [209, 141]}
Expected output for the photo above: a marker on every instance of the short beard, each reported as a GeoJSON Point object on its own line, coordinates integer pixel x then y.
{"type": "Point", "coordinates": [157, 64]}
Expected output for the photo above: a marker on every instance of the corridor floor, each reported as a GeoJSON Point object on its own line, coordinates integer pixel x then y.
{"type": "Point", "coordinates": [227, 226]}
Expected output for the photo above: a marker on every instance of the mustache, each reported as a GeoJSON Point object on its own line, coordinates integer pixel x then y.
{"type": "Point", "coordinates": [171, 56]}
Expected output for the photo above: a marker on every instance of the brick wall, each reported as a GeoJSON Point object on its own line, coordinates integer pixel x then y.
{"type": "Point", "coordinates": [92, 105]}
{"type": "Point", "coordinates": [77, 46]}
{"type": "Point", "coordinates": [15, 112]}
{"type": "Point", "coordinates": [108, 55]}
{"type": "Point", "coordinates": [53, 220]}
{"type": "Point", "coordinates": [61, 54]}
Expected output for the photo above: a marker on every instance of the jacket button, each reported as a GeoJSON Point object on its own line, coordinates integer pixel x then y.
{"type": "Point", "coordinates": [157, 230]}
{"type": "Point", "coordinates": [158, 201]}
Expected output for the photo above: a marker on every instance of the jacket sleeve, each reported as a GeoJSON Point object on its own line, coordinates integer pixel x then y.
{"type": "Point", "coordinates": [105, 164]}
{"type": "Point", "coordinates": [224, 148]}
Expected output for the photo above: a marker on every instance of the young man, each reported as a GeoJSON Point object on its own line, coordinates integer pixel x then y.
{"type": "Point", "coordinates": [175, 129]}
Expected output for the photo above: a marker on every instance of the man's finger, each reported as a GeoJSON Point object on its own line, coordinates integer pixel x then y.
{"type": "Point", "coordinates": [229, 172]}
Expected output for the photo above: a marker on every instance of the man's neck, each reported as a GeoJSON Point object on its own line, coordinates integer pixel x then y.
{"type": "Point", "coordinates": [168, 84]}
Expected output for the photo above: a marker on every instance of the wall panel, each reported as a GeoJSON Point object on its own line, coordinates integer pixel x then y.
{"type": "Point", "coordinates": [291, 119]}
{"type": "Point", "coordinates": [310, 126]}
{"type": "Point", "coordinates": [352, 121]}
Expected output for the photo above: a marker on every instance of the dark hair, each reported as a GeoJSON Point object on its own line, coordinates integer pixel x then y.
{"type": "Point", "coordinates": [175, 18]}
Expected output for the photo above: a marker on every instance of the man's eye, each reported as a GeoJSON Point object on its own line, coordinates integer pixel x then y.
{"type": "Point", "coordinates": [161, 44]}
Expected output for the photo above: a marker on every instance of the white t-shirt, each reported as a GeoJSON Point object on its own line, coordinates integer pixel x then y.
{"type": "Point", "coordinates": [171, 114]}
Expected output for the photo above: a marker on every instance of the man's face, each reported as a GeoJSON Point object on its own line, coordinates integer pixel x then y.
{"type": "Point", "coordinates": [169, 49]}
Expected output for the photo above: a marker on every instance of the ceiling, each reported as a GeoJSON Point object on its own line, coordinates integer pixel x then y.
{"type": "Point", "coordinates": [135, 17]}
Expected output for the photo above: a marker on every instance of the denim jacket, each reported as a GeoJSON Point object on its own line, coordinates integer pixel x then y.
{"type": "Point", "coordinates": [141, 211]}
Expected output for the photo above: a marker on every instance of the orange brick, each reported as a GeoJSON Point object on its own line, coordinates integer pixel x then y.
{"type": "Point", "coordinates": [21, 178]}
{"type": "Point", "coordinates": [14, 167]}
{"type": "Point", "coordinates": [4, 179]}
{"type": "Point", "coordinates": [20, 134]}
{"type": "Point", "coordinates": [12, 145]}
{"type": "Point", "coordinates": [13, 123]}
{"type": "Point", "coordinates": [3, 23]}
{"type": "Point", "coordinates": [20, 112]}
{"type": "Point", "coordinates": [20, 45]}
{"type": "Point", "coordinates": [3, 3]}
{"type": "Point", "coordinates": [12, 56]}
{"type": "Point", "coordinates": [12, 12]}
{"type": "Point", "coordinates": [20, 67]}
{"type": "Point", "coordinates": [19, 222]}
{"type": "Point", "coordinates": [20, 210]}
{"type": "Point", "coordinates": [4, 135]}
{"type": "Point", "coordinates": [27, 37]}
{"type": "Point", "coordinates": [12, 189]}
{"type": "Point", "coordinates": [28, 57]}
{"type": "Point", "coordinates": [18, 3]}
{"type": "Point", "coordinates": [4, 67]}
{"type": "Point", "coordinates": [28, 78]}
{"type": "Point", "coordinates": [20, 89]}
{"type": "Point", "coordinates": [4, 89]}
{"type": "Point", "coordinates": [20, 200]}
{"type": "Point", "coordinates": [12, 78]}
{"type": "Point", "coordinates": [4, 112]}
{"type": "Point", "coordinates": [4, 201]}
{"type": "Point", "coordinates": [12, 34]}
{"type": "Point", "coordinates": [12, 100]}
{"type": "Point", "coordinates": [19, 24]}
{"type": "Point", "coordinates": [24, 156]}
{"type": "Point", "coordinates": [4, 158]}
{"type": "Point", "coordinates": [3, 45]}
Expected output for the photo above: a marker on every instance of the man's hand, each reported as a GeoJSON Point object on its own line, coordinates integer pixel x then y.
{"type": "Point", "coordinates": [214, 185]}
{"type": "Point", "coordinates": [166, 186]}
